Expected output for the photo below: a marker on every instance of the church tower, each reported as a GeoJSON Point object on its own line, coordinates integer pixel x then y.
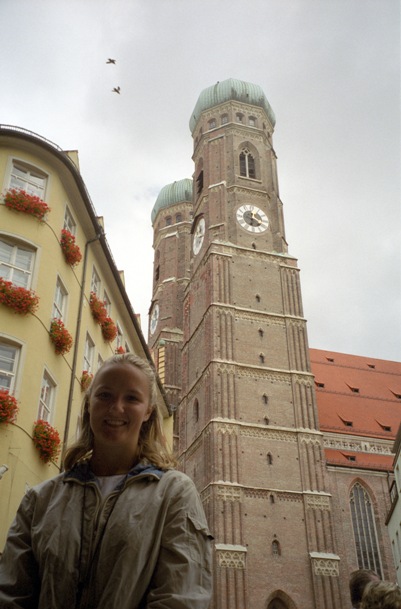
{"type": "Point", "coordinates": [246, 420]}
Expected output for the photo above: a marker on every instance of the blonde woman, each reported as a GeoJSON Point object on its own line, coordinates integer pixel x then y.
{"type": "Point", "coordinates": [121, 528]}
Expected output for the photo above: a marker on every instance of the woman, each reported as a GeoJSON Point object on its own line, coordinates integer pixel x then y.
{"type": "Point", "coordinates": [121, 529]}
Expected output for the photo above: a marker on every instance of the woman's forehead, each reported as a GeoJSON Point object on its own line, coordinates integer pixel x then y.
{"type": "Point", "coordinates": [110, 371]}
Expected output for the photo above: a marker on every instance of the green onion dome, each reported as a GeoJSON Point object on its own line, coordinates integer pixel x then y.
{"type": "Point", "coordinates": [177, 192]}
{"type": "Point", "coordinates": [231, 89]}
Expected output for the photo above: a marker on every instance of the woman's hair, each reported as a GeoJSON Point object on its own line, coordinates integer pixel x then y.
{"type": "Point", "coordinates": [151, 443]}
{"type": "Point", "coordinates": [358, 581]}
{"type": "Point", "coordinates": [381, 595]}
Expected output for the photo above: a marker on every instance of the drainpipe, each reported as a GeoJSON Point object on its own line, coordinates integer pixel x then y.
{"type": "Point", "coordinates": [76, 345]}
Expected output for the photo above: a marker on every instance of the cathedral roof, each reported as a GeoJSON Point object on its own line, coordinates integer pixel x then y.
{"type": "Point", "coordinates": [177, 192]}
{"type": "Point", "coordinates": [357, 396]}
{"type": "Point", "coordinates": [231, 89]}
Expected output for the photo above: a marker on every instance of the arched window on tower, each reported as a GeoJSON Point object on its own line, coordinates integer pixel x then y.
{"type": "Point", "coordinates": [269, 457]}
{"type": "Point", "coordinates": [199, 177]}
{"type": "Point", "coordinates": [247, 164]}
{"type": "Point", "coordinates": [196, 410]}
{"type": "Point", "coordinates": [157, 265]}
{"type": "Point", "coordinates": [364, 526]}
{"type": "Point", "coordinates": [276, 550]}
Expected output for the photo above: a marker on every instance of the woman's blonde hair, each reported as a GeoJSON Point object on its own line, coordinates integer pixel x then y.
{"type": "Point", "coordinates": [151, 443]}
{"type": "Point", "coordinates": [381, 595]}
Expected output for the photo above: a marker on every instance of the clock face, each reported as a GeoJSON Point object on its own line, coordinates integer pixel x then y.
{"type": "Point", "coordinates": [252, 219]}
{"type": "Point", "coordinates": [199, 235]}
{"type": "Point", "coordinates": [154, 318]}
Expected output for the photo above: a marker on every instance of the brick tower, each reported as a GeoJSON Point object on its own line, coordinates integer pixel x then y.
{"type": "Point", "coordinates": [228, 332]}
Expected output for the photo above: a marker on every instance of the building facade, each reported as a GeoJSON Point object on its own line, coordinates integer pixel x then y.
{"type": "Point", "coordinates": [394, 515]}
{"type": "Point", "coordinates": [53, 252]}
{"type": "Point", "coordinates": [228, 330]}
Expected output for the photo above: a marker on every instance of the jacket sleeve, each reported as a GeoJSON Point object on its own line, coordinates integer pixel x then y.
{"type": "Point", "coordinates": [19, 576]}
{"type": "Point", "coordinates": [183, 574]}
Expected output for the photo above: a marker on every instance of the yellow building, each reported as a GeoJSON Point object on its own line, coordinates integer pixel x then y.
{"type": "Point", "coordinates": [47, 384]}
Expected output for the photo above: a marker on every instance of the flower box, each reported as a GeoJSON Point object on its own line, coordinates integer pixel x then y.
{"type": "Point", "coordinates": [71, 251]}
{"type": "Point", "coordinates": [98, 308]}
{"type": "Point", "coordinates": [86, 380]}
{"type": "Point", "coordinates": [20, 300]}
{"type": "Point", "coordinates": [60, 337]}
{"type": "Point", "coordinates": [47, 440]}
{"type": "Point", "coordinates": [8, 407]}
{"type": "Point", "coordinates": [19, 200]}
{"type": "Point", "coordinates": [109, 329]}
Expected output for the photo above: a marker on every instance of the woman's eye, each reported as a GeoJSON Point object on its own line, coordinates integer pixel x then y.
{"type": "Point", "coordinates": [103, 395]}
{"type": "Point", "coordinates": [132, 398]}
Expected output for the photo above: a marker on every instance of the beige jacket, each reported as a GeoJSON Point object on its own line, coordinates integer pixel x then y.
{"type": "Point", "coordinates": [146, 547]}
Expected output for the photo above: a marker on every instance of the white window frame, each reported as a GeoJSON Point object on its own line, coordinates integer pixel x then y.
{"type": "Point", "coordinates": [12, 263]}
{"type": "Point", "coordinates": [89, 354]}
{"type": "Point", "coordinates": [60, 300]}
{"type": "Point", "coordinates": [95, 282]}
{"type": "Point", "coordinates": [29, 181]}
{"type": "Point", "coordinates": [69, 222]}
{"type": "Point", "coordinates": [107, 302]}
{"type": "Point", "coordinates": [47, 398]}
{"type": "Point", "coordinates": [120, 336]}
{"type": "Point", "coordinates": [14, 364]}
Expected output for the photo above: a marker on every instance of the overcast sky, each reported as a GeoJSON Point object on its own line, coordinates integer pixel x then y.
{"type": "Point", "coordinates": [331, 72]}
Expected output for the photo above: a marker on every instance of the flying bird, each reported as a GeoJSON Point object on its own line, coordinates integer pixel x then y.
{"type": "Point", "coordinates": [116, 90]}
{"type": "Point", "coordinates": [111, 60]}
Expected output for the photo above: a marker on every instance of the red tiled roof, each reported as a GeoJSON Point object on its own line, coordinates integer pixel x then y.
{"type": "Point", "coordinates": [357, 395]}
{"type": "Point", "coordinates": [346, 458]}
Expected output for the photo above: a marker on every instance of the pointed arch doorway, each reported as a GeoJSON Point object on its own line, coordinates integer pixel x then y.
{"type": "Point", "coordinates": [280, 600]}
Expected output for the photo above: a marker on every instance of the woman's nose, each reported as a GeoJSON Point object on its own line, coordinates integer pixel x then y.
{"type": "Point", "coordinates": [117, 404]}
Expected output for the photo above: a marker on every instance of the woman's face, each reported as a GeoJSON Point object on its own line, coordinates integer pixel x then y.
{"type": "Point", "coordinates": [119, 404]}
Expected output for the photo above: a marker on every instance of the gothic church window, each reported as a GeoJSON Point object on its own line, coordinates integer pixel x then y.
{"type": "Point", "coordinates": [212, 123]}
{"type": "Point", "coordinates": [178, 218]}
{"type": "Point", "coordinates": [247, 164]}
{"type": "Point", "coordinates": [169, 220]}
{"type": "Point", "coordinates": [252, 121]}
{"type": "Point", "coordinates": [364, 527]}
{"type": "Point", "coordinates": [239, 118]}
{"type": "Point", "coordinates": [224, 119]}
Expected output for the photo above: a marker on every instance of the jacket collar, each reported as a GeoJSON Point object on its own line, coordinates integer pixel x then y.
{"type": "Point", "coordinates": [81, 472]}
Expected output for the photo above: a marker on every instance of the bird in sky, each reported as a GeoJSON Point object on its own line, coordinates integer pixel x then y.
{"type": "Point", "coordinates": [111, 60]}
{"type": "Point", "coordinates": [116, 90]}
